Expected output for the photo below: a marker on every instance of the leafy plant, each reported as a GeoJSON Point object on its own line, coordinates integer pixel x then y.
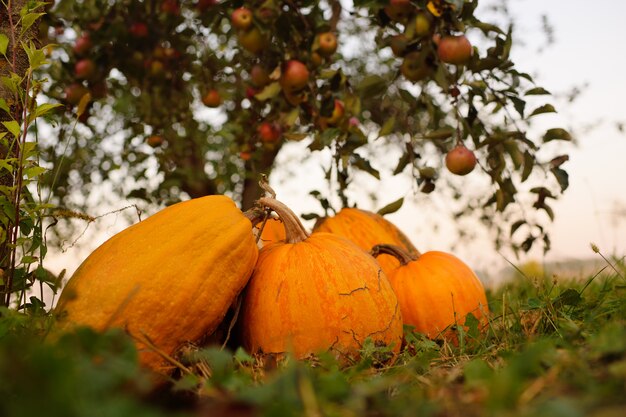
{"type": "Point", "coordinates": [22, 206]}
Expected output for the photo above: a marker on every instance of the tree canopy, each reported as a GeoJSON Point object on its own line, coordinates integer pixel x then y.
{"type": "Point", "coordinates": [165, 100]}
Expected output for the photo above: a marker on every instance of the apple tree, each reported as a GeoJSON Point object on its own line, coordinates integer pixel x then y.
{"type": "Point", "coordinates": [172, 99]}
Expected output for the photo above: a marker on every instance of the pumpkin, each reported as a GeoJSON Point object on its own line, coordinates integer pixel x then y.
{"type": "Point", "coordinates": [367, 229]}
{"type": "Point", "coordinates": [435, 290]}
{"type": "Point", "coordinates": [314, 293]}
{"type": "Point", "coordinates": [272, 231]}
{"type": "Point", "coordinates": [169, 279]}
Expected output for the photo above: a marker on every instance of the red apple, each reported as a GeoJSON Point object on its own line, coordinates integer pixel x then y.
{"type": "Point", "coordinates": [455, 50]}
{"type": "Point", "coordinates": [74, 92]}
{"type": "Point", "coordinates": [170, 7]}
{"type": "Point", "coordinates": [204, 5]}
{"type": "Point", "coordinates": [399, 10]}
{"type": "Point", "coordinates": [268, 132]}
{"type": "Point", "coordinates": [83, 44]}
{"type": "Point", "coordinates": [327, 42]}
{"type": "Point", "coordinates": [155, 141]}
{"type": "Point", "coordinates": [212, 98]}
{"type": "Point", "coordinates": [259, 76]}
{"type": "Point", "coordinates": [295, 76]}
{"type": "Point", "coordinates": [422, 24]}
{"type": "Point", "coordinates": [250, 92]}
{"type": "Point", "coordinates": [338, 112]}
{"type": "Point", "coordinates": [138, 30]}
{"type": "Point", "coordinates": [85, 69]}
{"type": "Point", "coordinates": [157, 67]}
{"type": "Point", "coordinates": [415, 68]}
{"type": "Point", "coordinates": [316, 59]}
{"type": "Point", "coordinates": [398, 44]}
{"type": "Point", "coordinates": [460, 160]}
{"type": "Point", "coordinates": [253, 40]}
{"type": "Point", "coordinates": [241, 18]}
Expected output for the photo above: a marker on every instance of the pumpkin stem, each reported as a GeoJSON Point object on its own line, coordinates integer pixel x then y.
{"type": "Point", "coordinates": [294, 230]}
{"type": "Point", "coordinates": [256, 215]}
{"type": "Point", "coordinates": [396, 251]}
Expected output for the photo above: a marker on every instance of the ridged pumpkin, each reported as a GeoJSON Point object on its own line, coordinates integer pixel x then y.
{"type": "Point", "coordinates": [273, 231]}
{"type": "Point", "coordinates": [315, 293]}
{"type": "Point", "coordinates": [435, 290]}
{"type": "Point", "coordinates": [170, 278]}
{"type": "Point", "coordinates": [367, 229]}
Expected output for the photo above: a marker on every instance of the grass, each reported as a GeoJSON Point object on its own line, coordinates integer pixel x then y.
{"type": "Point", "coordinates": [553, 347]}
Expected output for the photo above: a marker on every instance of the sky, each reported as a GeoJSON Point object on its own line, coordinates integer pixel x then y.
{"type": "Point", "coordinates": [588, 50]}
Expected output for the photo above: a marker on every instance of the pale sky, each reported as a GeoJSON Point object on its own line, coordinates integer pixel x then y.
{"type": "Point", "coordinates": [589, 48]}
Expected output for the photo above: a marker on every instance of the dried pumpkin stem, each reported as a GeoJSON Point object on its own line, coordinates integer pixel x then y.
{"type": "Point", "coordinates": [396, 251]}
{"type": "Point", "coordinates": [294, 230]}
{"type": "Point", "coordinates": [256, 215]}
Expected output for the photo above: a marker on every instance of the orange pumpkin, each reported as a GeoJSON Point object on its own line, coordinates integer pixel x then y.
{"type": "Point", "coordinates": [313, 293]}
{"type": "Point", "coordinates": [435, 290]}
{"type": "Point", "coordinates": [170, 278]}
{"type": "Point", "coordinates": [367, 229]}
{"type": "Point", "coordinates": [273, 231]}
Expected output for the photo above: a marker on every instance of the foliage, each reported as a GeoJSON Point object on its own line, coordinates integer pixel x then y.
{"type": "Point", "coordinates": [553, 347]}
{"type": "Point", "coordinates": [153, 132]}
{"type": "Point", "coordinates": [22, 207]}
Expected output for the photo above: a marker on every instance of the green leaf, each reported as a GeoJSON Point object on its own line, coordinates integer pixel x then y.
{"type": "Point", "coordinates": [562, 177]}
{"type": "Point", "coordinates": [529, 164]}
{"type": "Point", "coordinates": [548, 211]}
{"type": "Point", "coordinates": [546, 108]}
{"type": "Point", "coordinates": [292, 117]}
{"type": "Point", "coordinates": [487, 27]}
{"type": "Point", "coordinates": [364, 165]}
{"type": "Point", "coordinates": [557, 134]}
{"type": "Point", "coordinates": [516, 226]}
{"type": "Point", "coordinates": [82, 104]}
{"type": "Point", "coordinates": [568, 297]}
{"type": "Point", "coordinates": [270, 91]}
{"type": "Point", "coordinates": [11, 82]}
{"type": "Point", "coordinates": [13, 127]}
{"type": "Point", "coordinates": [43, 109]}
{"type": "Point", "coordinates": [4, 44]}
{"type": "Point", "coordinates": [6, 164]}
{"type": "Point", "coordinates": [402, 163]}
{"type": "Point", "coordinates": [372, 85]}
{"type": "Point", "coordinates": [36, 57]}
{"type": "Point", "coordinates": [536, 91]}
{"type": "Point", "coordinates": [391, 207]}
{"type": "Point", "coordinates": [440, 134]}
{"type": "Point", "coordinates": [387, 127]}
{"type": "Point", "coordinates": [519, 104]}
{"type": "Point", "coordinates": [29, 19]}
{"type": "Point", "coordinates": [295, 136]}
{"type": "Point", "coordinates": [4, 106]}
{"type": "Point", "coordinates": [32, 172]}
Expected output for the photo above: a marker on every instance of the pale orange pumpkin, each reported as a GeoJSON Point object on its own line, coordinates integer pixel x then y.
{"type": "Point", "coordinates": [435, 290]}
{"type": "Point", "coordinates": [169, 279]}
{"type": "Point", "coordinates": [314, 293]}
{"type": "Point", "coordinates": [367, 229]}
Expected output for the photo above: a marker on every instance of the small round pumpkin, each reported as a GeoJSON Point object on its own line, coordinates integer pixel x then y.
{"type": "Point", "coordinates": [271, 231]}
{"type": "Point", "coordinates": [367, 229]}
{"type": "Point", "coordinates": [169, 279]}
{"type": "Point", "coordinates": [314, 293]}
{"type": "Point", "coordinates": [435, 290]}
